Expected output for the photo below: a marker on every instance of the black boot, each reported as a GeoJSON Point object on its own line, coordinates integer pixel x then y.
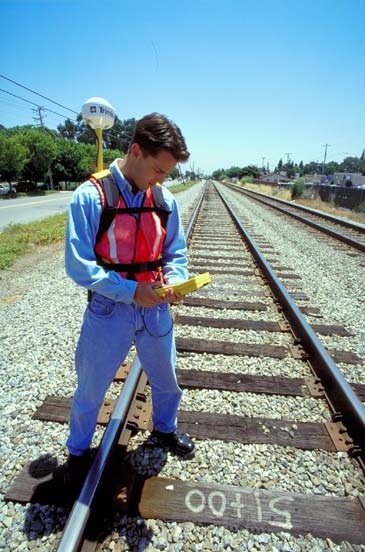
{"type": "Point", "coordinates": [72, 474]}
{"type": "Point", "coordinates": [178, 443]}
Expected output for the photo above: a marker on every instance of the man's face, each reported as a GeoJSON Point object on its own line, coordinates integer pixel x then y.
{"type": "Point", "coordinates": [147, 170]}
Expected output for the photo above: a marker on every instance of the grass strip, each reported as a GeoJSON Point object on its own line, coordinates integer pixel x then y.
{"type": "Point", "coordinates": [17, 239]}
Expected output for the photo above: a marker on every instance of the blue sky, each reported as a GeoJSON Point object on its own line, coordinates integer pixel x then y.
{"type": "Point", "coordinates": [243, 79]}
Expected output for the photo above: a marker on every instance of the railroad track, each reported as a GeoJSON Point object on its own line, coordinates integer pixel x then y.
{"type": "Point", "coordinates": [345, 231]}
{"type": "Point", "coordinates": [305, 409]}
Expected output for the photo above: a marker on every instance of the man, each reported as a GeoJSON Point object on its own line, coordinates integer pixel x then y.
{"type": "Point", "coordinates": [140, 247]}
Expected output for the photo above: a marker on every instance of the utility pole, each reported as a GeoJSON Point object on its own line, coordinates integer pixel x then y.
{"type": "Point", "coordinates": [288, 154]}
{"type": "Point", "coordinates": [192, 171]}
{"type": "Point", "coordinates": [287, 157]}
{"type": "Point", "coordinates": [181, 174]}
{"type": "Point", "coordinates": [39, 119]}
{"type": "Point", "coordinates": [362, 159]}
{"type": "Point", "coordinates": [325, 156]}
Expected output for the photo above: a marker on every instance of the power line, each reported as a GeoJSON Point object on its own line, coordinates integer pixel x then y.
{"type": "Point", "coordinates": [9, 103]}
{"type": "Point", "coordinates": [37, 93]}
{"type": "Point", "coordinates": [19, 97]}
{"type": "Point", "coordinates": [33, 103]}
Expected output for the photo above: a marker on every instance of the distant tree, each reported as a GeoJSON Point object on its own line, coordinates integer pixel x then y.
{"type": "Point", "coordinates": [13, 157]}
{"type": "Point", "coordinates": [109, 155]}
{"type": "Point", "coordinates": [219, 174]}
{"type": "Point", "coordinates": [331, 167]}
{"type": "Point", "coordinates": [42, 151]}
{"type": "Point", "coordinates": [313, 167]}
{"type": "Point", "coordinates": [234, 172]}
{"type": "Point", "coordinates": [70, 164]}
{"type": "Point", "coordinates": [351, 164]}
{"type": "Point", "coordinates": [77, 131]}
{"type": "Point", "coordinates": [88, 163]}
{"type": "Point", "coordinates": [119, 136]}
{"type": "Point", "coordinates": [250, 170]}
{"type": "Point", "coordinates": [175, 173]}
{"type": "Point", "coordinates": [85, 134]}
{"type": "Point", "coordinates": [69, 130]}
{"type": "Point", "coordinates": [280, 165]}
{"type": "Point", "coordinates": [190, 175]}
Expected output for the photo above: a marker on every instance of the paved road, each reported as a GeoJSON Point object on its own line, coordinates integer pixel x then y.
{"type": "Point", "coordinates": [28, 209]}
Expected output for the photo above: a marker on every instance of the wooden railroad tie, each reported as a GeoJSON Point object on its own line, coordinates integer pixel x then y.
{"type": "Point", "coordinates": [259, 510]}
{"type": "Point", "coordinates": [225, 427]}
{"type": "Point", "coordinates": [255, 509]}
{"type": "Point", "coordinates": [215, 347]}
{"type": "Point", "coordinates": [257, 325]}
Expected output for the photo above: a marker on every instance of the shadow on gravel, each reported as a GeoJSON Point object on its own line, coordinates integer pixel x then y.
{"type": "Point", "coordinates": [116, 515]}
{"type": "Point", "coordinates": [123, 519]}
{"type": "Point", "coordinates": [49, 506]}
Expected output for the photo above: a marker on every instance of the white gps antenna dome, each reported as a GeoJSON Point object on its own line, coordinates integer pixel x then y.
{"type": "Point", "coordinates": [98, 113]}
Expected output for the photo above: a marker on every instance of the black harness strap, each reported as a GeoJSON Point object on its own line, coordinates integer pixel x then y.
{"type": "Point", "coordinates": [111, 194]}
{"type": "Point", "coordinates": [136, 267]}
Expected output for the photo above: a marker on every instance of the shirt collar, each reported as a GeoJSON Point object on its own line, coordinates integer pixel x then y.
{"type": "Point", "coordinates": [122, 182]}
{"type": "Point", "coordinates": [119, 176]}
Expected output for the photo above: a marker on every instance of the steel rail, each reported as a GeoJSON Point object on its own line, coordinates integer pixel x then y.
{"type": "Point", "coordinates": [349, 241]}
{"type": "Point", "coordinates": [80, 513]}
{"type": "Point", "coordinates": [337, 220]}
{"type": "Point", "coordinates": [345, 403]}
{"type": "Point", "coordinates": [81, 510]}
{"type": "Point", "coordinates": [194, 216]}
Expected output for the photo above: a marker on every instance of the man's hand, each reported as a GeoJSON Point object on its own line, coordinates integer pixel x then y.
{"type": "Point", "coordinates": [145, 296]}
{"type": "Point", "coordinates": [171, 296]}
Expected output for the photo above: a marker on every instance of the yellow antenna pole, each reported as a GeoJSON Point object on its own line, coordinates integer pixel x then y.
{"type": "Point", "coordinates": [99, 115]}
{"type": "Point", "coordinates": [99, 164]}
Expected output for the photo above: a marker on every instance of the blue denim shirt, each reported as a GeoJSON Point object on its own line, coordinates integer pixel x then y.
{"type": "Point", "coordinates": [82, 227]}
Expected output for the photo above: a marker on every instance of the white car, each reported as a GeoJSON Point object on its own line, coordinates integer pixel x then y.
{"type": "Point", "coordinates": [5, 189]}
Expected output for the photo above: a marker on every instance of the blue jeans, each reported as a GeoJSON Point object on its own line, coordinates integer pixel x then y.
{"type": "Point", "coordinates": [108, 331]}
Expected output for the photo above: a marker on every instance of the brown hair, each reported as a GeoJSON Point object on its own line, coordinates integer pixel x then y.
{"type": "Point", "coordinates": [155, 132]}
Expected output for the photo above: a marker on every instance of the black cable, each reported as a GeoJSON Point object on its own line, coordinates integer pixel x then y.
{"type": "Point", "coordinates": [37, 93]}
{"type": "Point", "coordinates": [150, 333]}
{"type": "Point", "coordinates": [37, 105]}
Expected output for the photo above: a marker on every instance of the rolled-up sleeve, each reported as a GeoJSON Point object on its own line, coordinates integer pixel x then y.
{"type": "Point", "coordinates": [80, 261]}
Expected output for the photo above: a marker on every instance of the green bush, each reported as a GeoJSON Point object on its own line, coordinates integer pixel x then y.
{"type": "Point", "coordinates": [297, 188]}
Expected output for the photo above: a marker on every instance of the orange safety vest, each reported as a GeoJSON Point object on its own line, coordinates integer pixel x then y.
{"type": "Point", "coordinates": [130, 239]}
